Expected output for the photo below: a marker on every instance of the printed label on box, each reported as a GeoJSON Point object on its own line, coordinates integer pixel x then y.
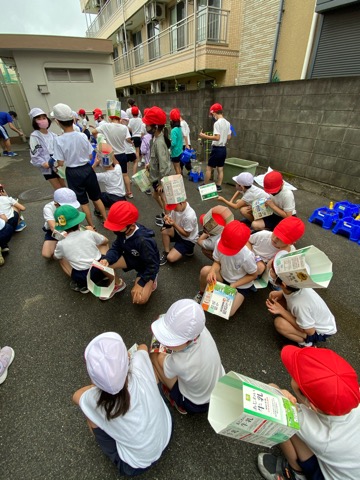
{"type": "Point", "coordinates": [218, 299]}
{"type": "Point", "coordinates": [174, 189]}
{"type": "Point", "coordinates": [260, 210]}
{"type": "Point", "coordinates": [208, 191]}
{"type": "Point", "coordinates": [113, 108]}
{"type": "Point", "coordinates": [141, 179]}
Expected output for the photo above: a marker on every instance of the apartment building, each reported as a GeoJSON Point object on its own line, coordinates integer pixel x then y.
{"type": "Point", "coordinates": [177, 45]}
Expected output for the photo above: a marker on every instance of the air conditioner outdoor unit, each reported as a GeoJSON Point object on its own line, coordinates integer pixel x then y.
{"type": "Point", "coordinates": [121, 36]}
{"type": "Point", "coordinates": [126, 91]}
{"type": "Point", "coordinates": [155, 87]}
{"type": "Point", "coordinates": [154, 11]}
{"type": "Point", "coordinates": [97, 3]}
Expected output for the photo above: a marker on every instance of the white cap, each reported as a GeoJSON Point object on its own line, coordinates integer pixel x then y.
{"type": "Point", "coordinates": [65, 196]}
{"type": "Point", "coordinates": [35, 112]}
{"type": "Point", "coordinates": [62, 112]}
{"type": "Point", "coordinates": [184, 321]}
{"type": "Point", "coordinates": [244, 178]}
{"type": "Point", "coordinates": [124, 115]}
{"type": "Point", "coordinates": [75, 115]}
{"type": "Point", "coordinates": [107, 362]}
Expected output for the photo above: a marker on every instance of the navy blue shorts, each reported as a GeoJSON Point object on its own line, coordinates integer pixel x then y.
{"type": "Point", "coordinates": [137, 142]}
{"type": "Point", "coordinates": [176, 159]}
{"type": "Point", "coordinates": [121, 158]}
{"type": "Point", "coordinates": [3, 133]}
{"type": "Point", "coordinates": [185, 403]}
{"type": "Point", "coordinates": [185, 247]}
{"type": "Point", "coordinates": [79, 276]}
{"type": "Point", "coordinates": [5, 235]}
{"type": "Point", "coordinates": [109, 199]}
{"type": "Point", "coordinates": [130, 157]}
{"type": "Point", "coordinates": [311, 468]}
{"type": "Point", "coordinates": [217, 157]}
{"type": "Point", "coordinates": [13, 221]}
{"type": "Point", "coordinates": [317, 337]}
{"type": "Point", "coordinates": [108, 446]}
{"type": "Point", "coordinates": [82, 180]}
{"type": "Point", "coordinates": [48, 236]}
{"type": "Point", "coordinates": [49, 176]}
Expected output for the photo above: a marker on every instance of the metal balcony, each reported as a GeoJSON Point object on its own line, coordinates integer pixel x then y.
{"type": "Point", "coordinates": [110, 8]}
{"type": "Point", "coordinates": [211, 27]}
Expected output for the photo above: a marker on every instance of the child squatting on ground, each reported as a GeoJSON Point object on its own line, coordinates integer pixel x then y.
{"type": "Point", "coordinates": [189, 374]}
{"type": "Point", "coordinates": [123, 406]}
{"type": "Point", "coordinates": [234, 264]}
{"type": "Point", "coordinates": [327, 395]}
{"type": "Point", "coordinates": [134, 249]}
{"type": "Point", "coordinates": [301, 314]}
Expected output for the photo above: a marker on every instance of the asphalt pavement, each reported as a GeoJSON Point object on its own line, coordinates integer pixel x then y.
{"type": "Point", "coordinates": [42, 434]}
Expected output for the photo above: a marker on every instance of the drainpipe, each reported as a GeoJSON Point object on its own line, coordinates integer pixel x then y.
{"type": "Point", "coordinates": [195, 29]}
{"type": "Point", "coordinates": [309, 45]}
{"type": "Point", "coordinates": [126, 44]}
{"type": "Point", "coordinates": [277, 35]}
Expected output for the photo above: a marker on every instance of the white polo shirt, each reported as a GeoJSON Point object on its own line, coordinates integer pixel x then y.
{"type": "Point", "coordinates": [235, 267]}
{"type": "Point", "coordinates": [222, 128]}
{"type": "Point", "coordinates": [116, 135]}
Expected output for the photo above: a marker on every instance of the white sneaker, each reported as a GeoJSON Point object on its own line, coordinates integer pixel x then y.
{"type": "Point", "coordinates": [7, 355]}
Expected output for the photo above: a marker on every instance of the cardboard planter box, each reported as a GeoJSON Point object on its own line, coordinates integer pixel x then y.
{"type": "Point", "coordinates": [210, 223]}
{"type": "Point", "coordinates": [218, 299]}
{"type": "Point", "coordinates": [307, 267]}
{"type": "Point", "coordinates": [141, 179]}
{"type": "Point", "coordinates": [260, 210]}
{"type": "Point", "coordinates": [251, 411]}
{"type": "Point", "coordinates": [104, 292]}
{"type": "Point", "coordinates": [113, 107]}
{"type": "Point", "coordinates": [174, 189]}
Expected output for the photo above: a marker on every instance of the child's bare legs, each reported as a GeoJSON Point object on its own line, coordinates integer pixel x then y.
{"type": "Point", "coordinates": [57, 183]}
{"type": "Point", "coordinates": [247, 213]}
{"type": "Point", "coordinates": [157, 360]}
{"type": "Point", "coordinates": [258, 225]}
{"type": "Point", "coordinates": [204, 272]}
{"type": "Point", "coordinates": [238, 301]}
{"type": "Point", "coordinates": [289, 329]}
{"type": "Point", "coordinates": [138, 159]}
{"type": "Point", "coordinates": [295, 449]}
{"type": "Point", "coordinates": [66, 267]}
{"type": "Point", "coordinates": [86, 210]}
{"type": "Point", "coordinates": [127, 182]}
{"type": "Point", "coordinates": [100, 207]}
{"type": "Point", "coordinates": [208, 173]}
{"type": "Point", "coordinates": [177, 168]}
{"type": "Point", "coordinates": [146, 292]}
{"type": "Point", "coordinates": [158, 196]}
{"type": "Point", "coordinates": [220, 175]}
{"type": "Point", "coordinates": [48, 248]}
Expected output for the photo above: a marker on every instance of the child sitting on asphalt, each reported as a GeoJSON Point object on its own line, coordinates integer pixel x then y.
{"type": "Point", "coordinates": [302, 316]}
{"type": "Point", "coordinates": [181, 227]}
{"type": "Point", "coordinates": [281, 201]}
{"type": "Point", "coordinates": [122, 406]}
{"type": "Point", "coordinates": [134, 249]}
{"type": "Point", "coordinates": [6, 232]}
{"type": "Point", "coordinates": [113, 181]}
{"type": "Point", "coordinates": [327, 395]}
{"type": "Point", "coordinates": [266, 245]}
{"type": "Point", "coordinates": [189, 374]}
{"type": "Point", "coordinates": [244, 183]}
{"type": "Point", "coordinates": [10, 208]}
{"type": "Point", "coordinates": [79, 249]}
{"type": "Point", "coordinates": [206, 240]}
{"type": "Point", "coordinates": [62, 196]}
{"type": "Point", "coordinates": [234, 264]}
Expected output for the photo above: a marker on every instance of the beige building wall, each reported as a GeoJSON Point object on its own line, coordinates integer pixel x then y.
{"type": "Point", "coordinates": [258, 29]}
{"type": "Point", "coordinates": [294, 35]}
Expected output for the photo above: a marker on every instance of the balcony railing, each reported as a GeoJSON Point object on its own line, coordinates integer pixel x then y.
{"type": "Point", "coordinates": [211, 27]}
{"type": "Point", "coordinates": [107, 11]}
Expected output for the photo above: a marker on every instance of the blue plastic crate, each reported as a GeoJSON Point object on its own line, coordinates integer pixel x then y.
{"type": "Point", "coordinates": [325, 216]}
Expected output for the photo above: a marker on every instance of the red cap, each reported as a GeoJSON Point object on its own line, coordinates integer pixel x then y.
{"type": "Point", "coordinates": [171, 206]}
{"type": "Point", "coordinates": [97, 115]}
{"type": "Point", "coordinates": [154, 116]}
{"type": "Point", "coordinates": [216, 216]}
{"type": "Point", "coordinates": [289, 230]}
{"type": "Point", "coordinates": [325, 378]}
{"type": "Point", "coordinates": [120, 215]}
{"type": "Point", "coordinates": [273, 182]}
{"type": "Point", "coordinates": [233, 238]}
{"type": "Point", "coordinates": [135, 110]}
{"type": "Point", "coordinates": [97, 110]}
{"type": "Point", "coordinates": [114, 117]}
{"type": "Point", "coordinates": [81, 112]}
{"type": "Point", "coordinates": [175, 115]}
{"type": "Point", "coordinates": [217, 107]}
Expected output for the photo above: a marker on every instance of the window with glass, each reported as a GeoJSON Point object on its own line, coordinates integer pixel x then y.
{"type": "Point", "coordinates": [68, 74]}
{"type": "Point", "coordinates": [208, 20]}
{"type": "Point", "coordinates": [138, 49]}
{"type": "Point", "coordinates": [178, 28]}
{"type": "Point", "coordinates": [153, 30]}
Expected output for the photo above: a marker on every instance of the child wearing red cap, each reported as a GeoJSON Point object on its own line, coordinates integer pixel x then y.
{"type": "Point", "coordinates": [266, 245]}
{"type": "Point", "coordinates": [281, 201]}
{"type": "Point", "coordinates": [181, 227]}
{"type": "Point", "coordinates": [221, 134]}
{"type": "Point", "coordinates": [134, 249]}
{"type": "Point", "coordinates": [159, 166]}
{"type": "Point", "coordinates": [234, 264]}
{"type": "Point", "coordinates": [84, 120]}
{"type": "Point", "coordinates": [302, 316]}
{"type": "Point", "coordinates": [327, 446]}
{"type": "Point", "coordinates": [176, 147]}
{"type": "Point", "coordinates": [135, 126]}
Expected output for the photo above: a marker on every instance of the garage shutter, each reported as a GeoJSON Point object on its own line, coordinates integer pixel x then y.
{"type": "Point", "coordinates": [338, 52]}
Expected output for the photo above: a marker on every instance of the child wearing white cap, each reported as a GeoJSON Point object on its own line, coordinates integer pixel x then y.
{"type": "Point", "coordinates": [244, 184]}
{"type": "Point", "coordinates": [189, 374]}
{"type": "Point", "coordinates": [123, 407]}
{"type": "Point", "coordinates": [42, 147]}
{"type": "Point", "coordinates": [62, 196]}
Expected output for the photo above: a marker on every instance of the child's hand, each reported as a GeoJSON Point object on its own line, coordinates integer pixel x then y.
{"type": "Point", "coordinates": [220, 199]}
{"type": "Point", "coordinates": [211, 278]}
{"type": "Point", "coordinates": [274, 307]}
{"type": "Point", "coordinates": [275, 295]}
{"type": "Point", "coordinates": [270, 203]}
{"type": "Point", "coordinates": [88, 227]}
{"type": "Point", "coordinates": [104, 262]}
{"type": "Point", "coordinates": [136, 293]}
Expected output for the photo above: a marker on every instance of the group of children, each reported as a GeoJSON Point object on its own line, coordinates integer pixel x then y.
{"type": "Point", "coordinates": [123, 405]}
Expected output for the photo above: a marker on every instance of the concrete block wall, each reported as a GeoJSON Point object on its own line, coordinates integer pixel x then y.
{"type": "Point", "coordinates": [308, 129]}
